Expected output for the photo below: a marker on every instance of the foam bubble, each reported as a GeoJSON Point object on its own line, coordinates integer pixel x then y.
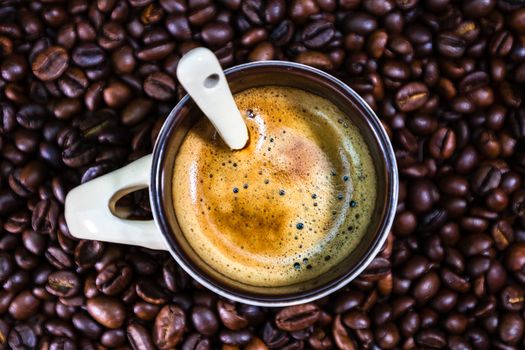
{"type": "Point", "coordinates": [271, 209]}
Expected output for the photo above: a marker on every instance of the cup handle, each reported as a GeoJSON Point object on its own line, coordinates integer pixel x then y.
{"type": "Point", "coordinates": [90, 208]}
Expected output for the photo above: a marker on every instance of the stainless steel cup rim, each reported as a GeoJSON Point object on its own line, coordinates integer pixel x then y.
{"type": "Point", "coordinates": [155, 196]}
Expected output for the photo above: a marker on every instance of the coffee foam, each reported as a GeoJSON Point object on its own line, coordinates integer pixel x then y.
{"type": "Point", "coordinates": [290, 205]}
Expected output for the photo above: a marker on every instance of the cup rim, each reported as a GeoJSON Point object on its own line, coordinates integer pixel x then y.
{"type": "Point", "coordinates": [324, 290]}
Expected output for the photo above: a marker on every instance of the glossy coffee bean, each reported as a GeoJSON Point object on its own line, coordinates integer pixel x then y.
{"type": "Point", "coordinates": [107, 311]}
{"type": "Point", "coordinates": [411, 96]}
{"type": "Point", "coordinates": [114, 278]}
{"type": "Point", "coordinates": [50, 63]}
{"type": "Point", "coordinates": [297, 317]}
{"type": "Point", "coordinates": [63, 284]}
{"type": "Point", "coordinates": [204, 320]}
{"type": "Point", "coordinates": [230, 317]}
{"type": "Point", "coordinates": [139, 337]}
{"type": "Point", "coordinates": [23, 306]}
{"type": "Point", "coordinates": [159, 86]}
{"type": "Point", "coordinates": [170, 325]}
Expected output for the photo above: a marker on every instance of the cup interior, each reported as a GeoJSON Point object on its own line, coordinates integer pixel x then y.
{"type": "Point", "coordinates": [186, 114]}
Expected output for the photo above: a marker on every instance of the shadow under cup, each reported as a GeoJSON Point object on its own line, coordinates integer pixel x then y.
{"type": "Point", "coordinates": [242, 77]}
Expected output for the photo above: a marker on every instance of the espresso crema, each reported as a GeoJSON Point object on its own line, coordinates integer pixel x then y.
{"type": "Point", "coordinates": [290, 205]}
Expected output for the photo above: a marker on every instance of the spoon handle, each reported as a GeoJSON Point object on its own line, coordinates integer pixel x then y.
{"type": "Point", "coordinates": [202, 77]}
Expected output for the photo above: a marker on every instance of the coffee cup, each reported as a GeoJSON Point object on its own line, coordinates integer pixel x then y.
{"type": "Point", "coordinates": [91, 211]}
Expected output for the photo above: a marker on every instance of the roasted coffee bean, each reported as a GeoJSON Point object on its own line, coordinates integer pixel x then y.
{"type": "Point", "coordinates": [178, 26]}
{"type": "Point", "coordinates": [8, 201]}
{"type": "Point", "coordinates": [450, 45]}
{"type": "Point", "coordinates": [63, 284]}
{"type": "Point", "coordinates": [136, 111]}
{"type": "Point", "coordinates": [113, 338]}
{"type": "Point", "coordinates": [411, 96]}
{"type": "Point", "coordinates": [486, 179]}
{"type": "Point", "coordinates": [442, 143]}
{"type": "Point", "coordinates": [356, 320]}
{"type": "Point", "coordinates": [22, 337]}
{"type": "Point", "coordinates": [170, 325]}
{"type": "Point", "coordinates": [517, 21]}
{"type": "Point", "coordinates": [282, 33]}
{"type": "Point", "coordinates": [114, 278]}
{"type": "Point", "coordinates": [159, 86]}
{"type": "Point", "coordinates": [511, 327]}
{"type": "Point", "coordinates": [45, 216]}
{"type": "Point", "coordinates": [86, 325]}
{"type": "Point", "coordinates": [262, 52]}
{"type": "Point", "coordinates": [254, 36]}
{"type": "Point", "coordinates": [195, 341]}
{"type": "Point", "coordinates": [155, 51]}
{"type": "Point", "coordinates": [28, 179]}
{"type": "Point", "coordinates": [342, 338]}
{"type": "Point", "coordinates": [78, 155]}
{"type": "Point", "coordinates": [107, 311]}
{"type": "Point", "coordinates": [117, 94]}
{"type": "Point", "coordinates": [318, 34]}
{"type": "Point", "coordinates": [204, 320]}
{"type": "Point", "coordinates": [422, 195]}
{"type": "Point", "coordinates": [24, 306]}
{"type": "Point", "coordinates": [216, 34]}
{"type": "Point", "coordinates": [13, 67]}
{"type": "Point", "coordinates": [431, 338]}
{"type": "Point", "coordinates": [295, 318]}
{"type": "Point", "coordinates": [139, 337]}
{"type": "Point", "coordinates": [201, 14]}
{"type": "Point", "coordinates": [237, 338]}
{"type": "Point", "coordinates": [73, 83]}
{"type": "Point", "coordinates": [66, 108]}
{"type": "Point", "coordinates": [426, 287]}
{"type": "Point", "coordinates": [7, 266]}
{"type": "Point", "coordinates": [315, 59]}
{"type": "Point", "coordinates": [50, 63]}
{"type": "Point", "coordinates": [31, 116]}
{"type": "Point", "coordinates": [145, 311]}
{"type": "Point", "coordinates": [230, 317]}
{"type": "Point", "coordinates": [88, 55]}
{"type": "Point", "coordinates": [378, 269]}
{"type": "Point", "coordinates": [87, 253]}
{"type": "Point", "coordinates": [150, 292]}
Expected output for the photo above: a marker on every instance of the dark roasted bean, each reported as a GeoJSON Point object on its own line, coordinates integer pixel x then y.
{"type": "Point", "coordinates": [230, 317]}
{"type": "Point", "coordinates": [88, 55]}
{"type": "Point", "coordinates": [45, 216]}
{"type": "Point", "coordinates": [73, 83]}
{"type": "Point", "coordinates": [63, 284]}
{"type": "Point", "coordinates": [150, 292]}
{"type": "Point", "coordinates": [318, 34]}
{"type": "Point", "coordinates": [87, 253]}
{"type": "Point", "coordinates": [139, 337]}
{"type": "Point", "coordinates": [295, 318]}
{"type": "Point", "coordinates": [169, 327]}
{"type": "Point", "coordinates": [22, 337]}
{"type": "Point", "coordinates": [411, 96]}
{"type": "Point", "coordinates": [159, 86]}
{"type": "Point", "coordinates": [204, 320]}
{"type": "Point", "coordinates": [86, 325]}
{"type": "Point", "coordinates": [50, 63]}
{"type": "Point", "coordinates": [24, 306]}
{"type": "Point", "coordinates": [107, 311]}
{"type": "Point", "coordinates": [114, 278]}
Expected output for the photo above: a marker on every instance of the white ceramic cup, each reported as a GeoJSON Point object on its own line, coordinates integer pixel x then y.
{"type": "Point", "coordinates": [90, 208]}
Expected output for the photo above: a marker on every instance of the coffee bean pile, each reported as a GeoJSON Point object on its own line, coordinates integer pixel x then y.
{"type": "Point", "coordinates": [85, 87]}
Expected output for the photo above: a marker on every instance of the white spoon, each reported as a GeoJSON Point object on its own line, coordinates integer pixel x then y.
{"type": "Point", "coordinates": [201, 75]}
